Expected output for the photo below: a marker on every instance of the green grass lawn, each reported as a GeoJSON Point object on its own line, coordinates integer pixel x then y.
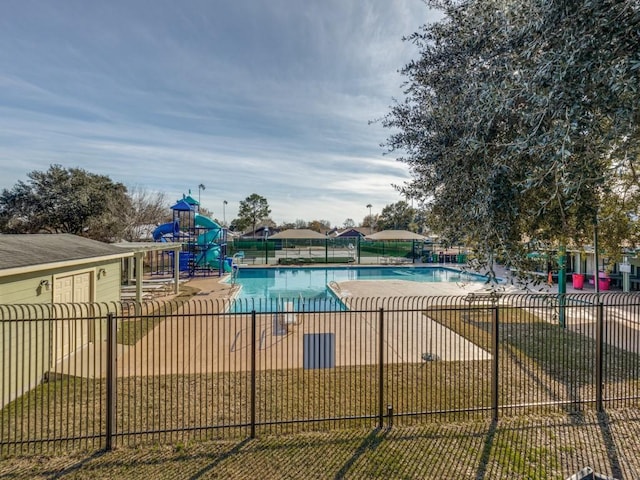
{"type": "Point", "coordinates": [540, 364]}
{"type": "Point", "coordinates": [515, 448]}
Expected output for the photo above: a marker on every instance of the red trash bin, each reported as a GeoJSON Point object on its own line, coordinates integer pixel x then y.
{"type": "Point", "coordinates": [578, 281]}
{"type": "Point", "coordinates": [603, 281]}
{"type": "Point", "coordinates": [603, 284]}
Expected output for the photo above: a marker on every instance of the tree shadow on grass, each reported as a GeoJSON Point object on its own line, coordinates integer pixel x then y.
{"type": "Point", "coordinates": [235, 450]}
{"type": "Point", "coordinates": [559, 363]}
{"type": "Point", "coordinates": [521, 447]}
{"type": "Point", "coordinates": [604, 423]}
{"type": "Point", "coordinates": [369, 443]}
{"type": "Point", "coordinates": [78, 465]}
{"type": "Point", "coordinates": [486, 451]}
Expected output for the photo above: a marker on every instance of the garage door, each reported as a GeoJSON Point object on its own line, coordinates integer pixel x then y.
{"type": "Point", "coordinates": [70, 335]}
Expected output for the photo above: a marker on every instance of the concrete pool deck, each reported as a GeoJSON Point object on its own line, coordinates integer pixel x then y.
{"type": "Point", "coordinates": [196, 339]}
{"type": "Point", "coordinates": [404, 288]}
{"type": "Point", "coordinates": [193, 341]}
{"type": "Point", "coordinates": [200, 343]}
{"type": "Point", "coordinates": [194, 345]}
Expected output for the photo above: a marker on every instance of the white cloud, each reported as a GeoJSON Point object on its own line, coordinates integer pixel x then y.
{"type": "Point", "coordinates": [267, 97]}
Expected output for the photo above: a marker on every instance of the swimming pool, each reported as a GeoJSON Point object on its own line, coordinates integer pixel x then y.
{"type": "Point", "coordinates": [262, 287]}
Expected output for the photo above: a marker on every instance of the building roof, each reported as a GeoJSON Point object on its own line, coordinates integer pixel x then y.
{"type": "Point", "coordinates": [354, 232]}
{"type": "Point", "coordinates": [395, 235]}
{"type": "Point", "coordinates": [259, 232]}
{"type": "Point", "coordinates": [18, 252]}
{"type": "Point", "coordinates": [147, 246]}
{"type": "Point", "coordinates": [302, 233]}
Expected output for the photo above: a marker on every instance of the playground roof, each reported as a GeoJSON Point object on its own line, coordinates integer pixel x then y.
{"type": "Point", "coordinates": [190, 200]}
{"type": "Point", "coordinates": [21, 253]}
{"type": "Point", "coordinates": [293, 233]}
{"type": "Point", "coordinates": [395, 235]}
{"type": "Point", "coordinates": [182, 206]}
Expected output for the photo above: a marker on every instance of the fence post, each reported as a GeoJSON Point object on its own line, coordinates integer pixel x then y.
{"type": "Point", "coordinates": [599, 356]}
{"type": "Point", "coordinates": [111, 380]}
{"type": "Point", "coordinates": [253, 374]}
{"type": "Point", "coordinates": [494, 366]}
{"type": "Point", "coordinates": [266, 251]}
{"type": "Point", "coordinates": [381, 368]}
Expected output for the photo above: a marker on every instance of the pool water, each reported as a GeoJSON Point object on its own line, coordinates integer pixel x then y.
{"type": "Point", "coordinates": [267, 289]}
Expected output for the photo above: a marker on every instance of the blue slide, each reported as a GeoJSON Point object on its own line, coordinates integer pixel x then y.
{"type": "Point", "coordinates": [165, 229]}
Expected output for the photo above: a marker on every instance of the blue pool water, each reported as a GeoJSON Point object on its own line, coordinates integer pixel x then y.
{"type": "Point", "coordinates": [261, 287]}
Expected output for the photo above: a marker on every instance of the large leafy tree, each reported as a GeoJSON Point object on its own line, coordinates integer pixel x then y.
{"type": "Point", "coordinates": [370, 221]}
{"type": "Point", "coordinates": [62, 200]}
{"type": "Point", "coordinates": [253, 209]}
{"type": "Point", "coordinates": [521, 120]}
{"type": "Point", "coordinates": [397, 216]}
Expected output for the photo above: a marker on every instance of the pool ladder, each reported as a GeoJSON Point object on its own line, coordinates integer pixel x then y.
{"type": "Point", "coordinates": [334, 285]}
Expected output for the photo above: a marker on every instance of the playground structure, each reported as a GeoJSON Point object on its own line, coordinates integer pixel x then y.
{"type": "Point", "coordinates": [204, 242]}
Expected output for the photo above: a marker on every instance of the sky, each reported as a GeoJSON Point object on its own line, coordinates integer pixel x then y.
{"type": "Point", "coordinates": [274, 97]}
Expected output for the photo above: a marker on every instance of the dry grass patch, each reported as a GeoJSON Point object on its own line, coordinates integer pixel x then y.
{"type": "Point", "coordinates": [516, 448]}
{"type": "Point", "coordinates": [131, 330]}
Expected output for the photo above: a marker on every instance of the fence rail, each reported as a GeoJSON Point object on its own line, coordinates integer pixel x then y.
{"type": "Point", "coordinates": [99, 375]}
{"type": "Point", "coordinates": [344, 250]}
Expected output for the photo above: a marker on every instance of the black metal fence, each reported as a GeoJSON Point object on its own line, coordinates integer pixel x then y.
{"type": "Point", "coordinates": [343, 250]}
{"type": "Point", "coordinates": [94, 376]}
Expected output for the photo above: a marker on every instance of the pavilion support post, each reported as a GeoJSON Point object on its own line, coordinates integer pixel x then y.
{"type": "Point", "coordinates": [176, 270]}
{"type": "Point", "coordinates": [130, 269]}
{"type": "Point", "coordinates": [139, 270]}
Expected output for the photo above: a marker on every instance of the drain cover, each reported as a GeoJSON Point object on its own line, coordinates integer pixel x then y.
{"type": "Point", "coordinates": [429, 357]}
